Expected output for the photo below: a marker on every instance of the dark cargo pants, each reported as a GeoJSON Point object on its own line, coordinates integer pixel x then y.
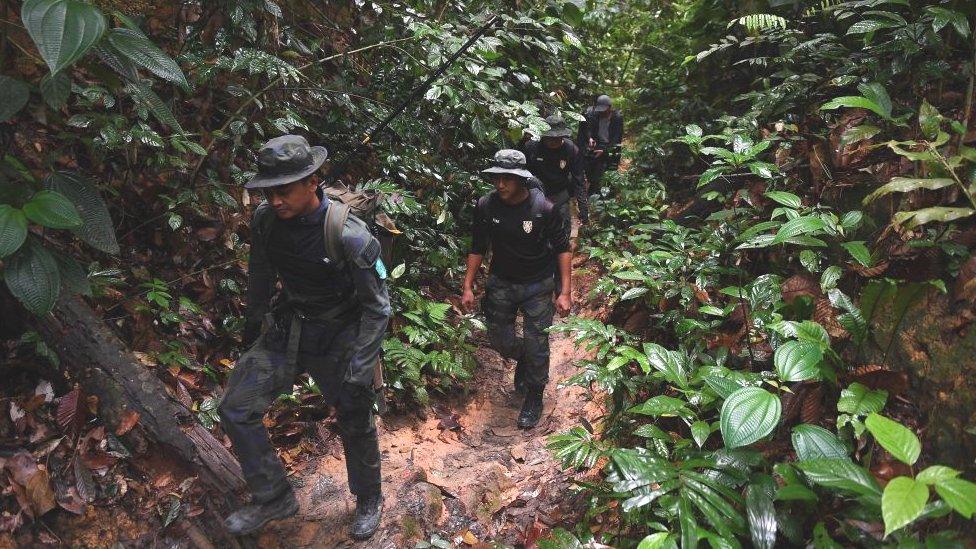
{"type": "Point", "coordinates": [263, 373]}
{"type": "Point", "coordinates": [503, 300]}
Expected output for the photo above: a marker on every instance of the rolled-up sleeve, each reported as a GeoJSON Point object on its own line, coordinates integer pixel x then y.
{"type": "Point", "coordinates": [362, 252]}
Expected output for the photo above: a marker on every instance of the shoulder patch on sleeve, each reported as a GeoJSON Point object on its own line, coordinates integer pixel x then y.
{"type": "Point", "coordinates": [361, 247]}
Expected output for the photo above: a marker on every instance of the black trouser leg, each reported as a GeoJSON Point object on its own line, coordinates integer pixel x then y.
{"type": "Point", "coordinates": [260, 375]}
{"type": "Point", "coordinates": [357, 428]}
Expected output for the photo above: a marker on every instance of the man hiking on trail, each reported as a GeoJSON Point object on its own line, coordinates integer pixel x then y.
{"type": "Point", "coordinates": [600, 134]}
{"type": "Point", "coordinates": [526, 235]}
{"type": "Point", "coordinates": [556, 161]}
{"type": "Point", "coordinates": [328, 320]}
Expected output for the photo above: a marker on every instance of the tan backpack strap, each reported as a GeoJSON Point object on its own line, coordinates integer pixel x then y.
{"type": "Point", "coordinates": [335, 220]}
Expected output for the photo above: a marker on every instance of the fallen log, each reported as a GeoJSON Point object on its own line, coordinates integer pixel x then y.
{"type": "Point", "coordinates": [104, 367]}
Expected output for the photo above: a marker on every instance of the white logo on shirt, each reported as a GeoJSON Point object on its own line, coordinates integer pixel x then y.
{"type": "Point", "coordinates": [495, 220]}
{"type": "Point", "coordinates": [527, 226]}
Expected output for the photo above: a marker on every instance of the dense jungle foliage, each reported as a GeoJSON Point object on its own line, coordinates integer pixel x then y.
{"type": "Point", "coordinates": [788, 257]}
{"type": "Point", "coordinates": [803, 179]}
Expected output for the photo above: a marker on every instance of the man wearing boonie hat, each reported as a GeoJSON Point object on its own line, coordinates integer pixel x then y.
{"type": "Point", "coordinates": [600, 135]}
{"type": "Point", "coordinates": [556, 161]}
{"type": "Point", "coordinates": [526, 236]}
{"type": "Point", "coordinates": [328, 320]}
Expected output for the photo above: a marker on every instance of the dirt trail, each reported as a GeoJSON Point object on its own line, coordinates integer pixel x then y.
{"type": "Point", "coordinates": [465, 470]}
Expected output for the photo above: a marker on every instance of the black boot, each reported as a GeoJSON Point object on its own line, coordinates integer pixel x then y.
{"type": "Point", "coordinates": [369, 511]}
{"type": "Point", "coordinates": [531, 409]}
{"type": "Point", "coordinates": [253, 517]}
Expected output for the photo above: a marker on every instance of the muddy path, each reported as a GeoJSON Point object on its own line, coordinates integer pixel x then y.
{"type": "Point", "coordinates": [465, 472]}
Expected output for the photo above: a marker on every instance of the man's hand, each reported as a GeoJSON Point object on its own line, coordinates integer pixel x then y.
{"type": "Point", "coordinates": [592, 142]}
{"type": "Point", "coordinates": [467, 300]}
{"type": "Point", "coordinates": [563, 304]}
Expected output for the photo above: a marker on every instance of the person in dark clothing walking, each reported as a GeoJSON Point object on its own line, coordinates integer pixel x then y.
{"type": "Point", "coordinates": [329, 320]}
{"type": "Point", "coordinates": [558, 164]}
{"type": "Point", "coordinates": [600, 135]}
{"type": "Point", "coordinates": [526, 236]}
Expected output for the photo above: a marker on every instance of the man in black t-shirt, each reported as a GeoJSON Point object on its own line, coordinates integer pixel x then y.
{"type": "Point", "coordinates": [557, 162]}
{"type": "Point", "coordinates": [600, 135]}
{"type": "Point", "coordinates": [526, 235]}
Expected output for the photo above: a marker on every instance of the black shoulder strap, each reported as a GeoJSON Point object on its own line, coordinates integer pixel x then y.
{"type": "Point", "coordinates": [530, 148]}
{"type": "Point", "coordinates": [335, 220]}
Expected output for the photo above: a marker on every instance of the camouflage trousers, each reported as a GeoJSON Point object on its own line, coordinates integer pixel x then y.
{"type": "Point", "coordinates": [502, 303]}
{"type": "Point", "coordinates": [263, 373]}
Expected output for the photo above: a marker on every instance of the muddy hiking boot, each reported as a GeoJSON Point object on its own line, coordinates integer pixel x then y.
{"type": "Point", "coordinates": [253, 517]}
{"type": "Point", "coordinates": [369, 511]}
{"type": "Point", "coordinates": [531, 409]}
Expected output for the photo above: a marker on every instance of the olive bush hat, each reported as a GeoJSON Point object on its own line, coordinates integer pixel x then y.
{"type": "Point", "coordinates": [509, 161]}
{"type": "Point", "coordinates": [284, 160]}
{"type": "Point", "coordinates": [557, 127]}
{"type": "Point", "coordinates": [602, 103]}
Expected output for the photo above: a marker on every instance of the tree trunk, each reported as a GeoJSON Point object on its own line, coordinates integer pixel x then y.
{"type": "Point", "coordinates": [107, 369]}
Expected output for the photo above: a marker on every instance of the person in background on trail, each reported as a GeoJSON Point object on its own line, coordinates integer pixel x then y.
{"type": "Point", "coordinates": [600, 135]}
{"type": "Point", "coordinates": [558, 164]}
{"type": "Point", "coordinates": [329, 320]}
{"type": "Point", "coordinates": [526, 235]}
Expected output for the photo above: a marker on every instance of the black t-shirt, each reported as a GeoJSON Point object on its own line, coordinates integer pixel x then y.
{"type": "Point", "coordinates": [524, 240]}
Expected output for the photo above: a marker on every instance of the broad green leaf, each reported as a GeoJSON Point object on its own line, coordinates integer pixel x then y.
{"type": "Point", "coordinates": [851, 220]}
{"type": "Point", "coordinates": [762, 517]}
{"type": "Point", "coordinates": [14, 94]}
{"type": "Point", "coordinates": [939, 214]}
{"type": "Point", "coordinates": [936, 473]}
{"type": "Point", "coordinates": [700, 431]}
{"type": "Point", "coordinates": [634, 293]}
{"type": "Point", "coordinates": [842, 474]}
{"type": "Point", "coordinates": [798, 226]}
{"type": "Point", "coordinates": [144, 94]}
{"type": "Point", "coordinates": [814, 442]}
{"type": "Point", "coordinates": [748, 415]}
{"type": "Point", "coordinates": [903, 501]}
{"type": "Point", "coordinates": [62, 29]}
{"type": "Point", "coordinates": [858, 134]}
{"type": "Point", "coordinates": [906, 184]}
{"type": "Point", "coordinates": [959, 494]}
{"type": "Point", "coordinates": [796, 492]}
{"type": "Point", "coordinates": [686, 519]}
{"type": "Point", "coordinates": [74, 278]}
{"type": "Point", "coordinates": [13, 229]}
{"type": "Point", "coordinates": [661, 405]}
{"type": "Point", "coordinates": [140, 50]}
{"type": "Point", "coordinates": [97, 229]}
{"type": "Point", "coordinates": [830, 276]}
{"type": "Point", "coordinates": [858, 400]}
{"type": "Point", "coordinates": [784, 198]}
{"type": "Point", "coordinates": [929, 120]}
{"type": "Point", "coordinates": [856, 102]}
{"type": "Point", "coordinates": [877, 94]}
{"type": "Point", "coordinates": [899, 440]}
{"type": "Point", "coordinates": [52, 209]}
{"type": "Point", "coordinates": [858, 251]}
{"type": "Point", "coordinates": [659, 540]}
{"type": "Point", "coordinates": [55, 89]}
{"type": "Point", "coordinates": [798, 361]}
{"type": "Point", "coordinates": [32, 276]}
{"type": "Point", "coordinates": [398, 271]}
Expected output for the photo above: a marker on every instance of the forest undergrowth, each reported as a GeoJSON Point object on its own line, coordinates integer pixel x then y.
{"type": "Point", "coordinates": [789, 358]}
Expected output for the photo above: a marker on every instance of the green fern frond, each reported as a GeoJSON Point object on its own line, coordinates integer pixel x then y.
{"type": "Point", "coordinates": [760, 22]}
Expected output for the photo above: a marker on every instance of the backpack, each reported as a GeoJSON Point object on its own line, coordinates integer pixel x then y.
{"type": "Point", "coordinates": [366, 206]}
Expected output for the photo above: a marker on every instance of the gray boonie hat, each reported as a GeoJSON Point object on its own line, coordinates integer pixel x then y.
{"type": "Point", "coordinates": [284, 160]}
{"type": "Point", "coordinates": [509, 161]}
{"type": "Point", "coordinates": [557, 127]}
{"type": "Point", "coordinates": [602, 103]}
